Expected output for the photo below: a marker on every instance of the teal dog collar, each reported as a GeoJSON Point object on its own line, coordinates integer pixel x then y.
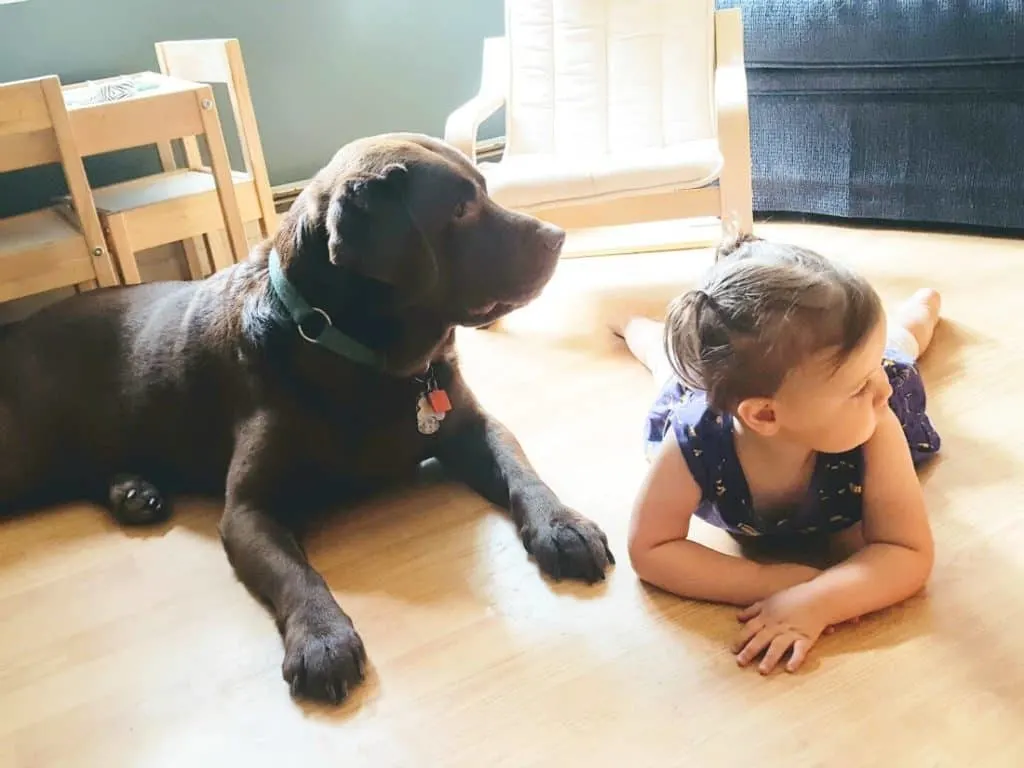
{"type": "Point", "coordinates": [301, 312]}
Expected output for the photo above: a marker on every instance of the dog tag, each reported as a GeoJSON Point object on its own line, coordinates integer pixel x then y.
{"type": "Point", "coordinates": [439, 401]}
{"type": "Point", "coordinates": [428, 421]}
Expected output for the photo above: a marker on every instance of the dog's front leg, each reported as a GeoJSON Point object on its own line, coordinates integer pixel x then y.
{"type": "Point", "coordinates": [324, 655]}
{"type": "Point", "coordinates": [481, 452]}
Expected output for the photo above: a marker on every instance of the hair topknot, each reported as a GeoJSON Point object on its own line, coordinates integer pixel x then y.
{"type": "Point", "coordinates": [733, 243]}
{"type": "Point", "coordinates": [763, 309]}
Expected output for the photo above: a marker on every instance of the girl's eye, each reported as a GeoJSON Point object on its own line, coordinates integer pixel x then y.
{"type": "Point", "coordinates": [862, 391]}
{"type": "Point", "coordinates": [460, 211]}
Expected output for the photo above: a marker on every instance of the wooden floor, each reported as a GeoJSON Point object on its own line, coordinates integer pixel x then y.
{"type": "Point", "coordinates": [141, 649]}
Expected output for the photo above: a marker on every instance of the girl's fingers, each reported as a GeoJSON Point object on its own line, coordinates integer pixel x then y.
{"type": "Point", "coordinates": [749, 612]}
{"type": "Point", "coordinates": [749, 630]}
{"type": "Point", "coordinates": [800, 649]}
{"type": "Point", "coordinates": [756, 644]}
{"type": "Point", "coordinates": [776, 651]}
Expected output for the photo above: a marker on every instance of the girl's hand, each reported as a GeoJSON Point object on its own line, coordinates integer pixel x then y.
{"type": "Point", "coordinates": [785, 622]}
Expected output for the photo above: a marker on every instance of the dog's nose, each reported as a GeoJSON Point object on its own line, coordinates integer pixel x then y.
{"type": "Point", "coordinates": [553, 237]}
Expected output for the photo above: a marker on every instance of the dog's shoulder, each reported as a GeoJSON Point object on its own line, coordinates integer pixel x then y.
{"type": "Point", "coordinates": [236, 308]}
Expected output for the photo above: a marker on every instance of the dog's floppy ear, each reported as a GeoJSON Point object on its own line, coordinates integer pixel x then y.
{"type": "Point", "coordinates": [358, 209]}
{"type": "Point", "coordinates": [303, 232]}
{"type": "Point", "coordinates": [370, 229]}
{"type": "Point", "coordinates": [359, 200]}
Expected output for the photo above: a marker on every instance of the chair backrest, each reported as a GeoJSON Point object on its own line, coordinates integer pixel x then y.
{"type": "Point", "coordinates": [220, 62]}
{"type": "Point", "coordinates": [35, 130]}
{"type": "Point", "coordinates": [26, 128]}
{"type": "Point", "coordinates": [601, 76]}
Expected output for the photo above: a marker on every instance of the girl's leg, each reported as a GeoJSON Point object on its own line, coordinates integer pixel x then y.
{"type": "Point", "coordinates": [913, 323]}
{"type": "Point", "coordinates": [645, 339]}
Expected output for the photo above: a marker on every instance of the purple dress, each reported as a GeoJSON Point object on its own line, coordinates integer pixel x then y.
{"type": "Point", "coordinates": [833, 500]}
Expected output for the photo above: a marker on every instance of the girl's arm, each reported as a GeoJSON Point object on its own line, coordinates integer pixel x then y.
{"type": "Point", "coordinates": [893, 565]}
{"type": "Point", "coordinates": [898, 554]}
{"type": "Point", "coordinates": [661, 554]}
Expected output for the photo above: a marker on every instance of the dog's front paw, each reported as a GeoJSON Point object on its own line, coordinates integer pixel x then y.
{"type": "Point", "coordinates": [133, 501]}
{"type": "Point", "coordinates": [567, 545]}
{"type": "Point", "coordinates": [324, 657]}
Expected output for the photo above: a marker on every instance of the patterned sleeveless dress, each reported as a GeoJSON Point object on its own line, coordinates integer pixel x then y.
{"type": "Point", "coordinates": [833, 500]}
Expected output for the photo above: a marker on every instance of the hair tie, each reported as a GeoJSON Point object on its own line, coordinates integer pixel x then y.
{"type": "Point", "coordinates": [703, 298]}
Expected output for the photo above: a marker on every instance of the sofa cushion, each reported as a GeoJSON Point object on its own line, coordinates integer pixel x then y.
{"type": "Point", "coordinates": [865, 33]}
{"type": "Point", "coordinates": [523, 181]}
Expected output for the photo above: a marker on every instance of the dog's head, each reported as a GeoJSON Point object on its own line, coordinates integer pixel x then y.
{"type": "Point", "coordinates": [411, 216]}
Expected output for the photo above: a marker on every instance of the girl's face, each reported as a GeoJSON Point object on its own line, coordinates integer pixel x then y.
{"type": "Point", "coordinates": [833, 410]}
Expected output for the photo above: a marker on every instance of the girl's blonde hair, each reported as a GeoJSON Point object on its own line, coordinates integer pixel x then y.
{"type": "Point", "coordinates": [762, 310]}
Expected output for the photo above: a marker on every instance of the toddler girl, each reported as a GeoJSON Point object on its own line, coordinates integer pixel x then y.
{"type": "Point", "coordinates": [791, 408]}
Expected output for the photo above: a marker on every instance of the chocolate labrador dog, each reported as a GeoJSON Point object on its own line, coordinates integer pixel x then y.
{"type": "Point", "coordinates": [320, 369]}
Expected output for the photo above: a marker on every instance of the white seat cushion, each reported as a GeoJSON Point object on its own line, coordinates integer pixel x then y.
{"type": "Point", "coordinates": [523, 181]}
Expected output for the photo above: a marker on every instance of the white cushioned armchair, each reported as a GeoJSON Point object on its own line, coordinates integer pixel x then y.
{"type": "Point", "coordinates": [616, 111]}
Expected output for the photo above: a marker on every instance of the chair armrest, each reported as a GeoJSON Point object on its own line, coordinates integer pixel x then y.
{"type": "Point", "coordinates": [733, 118]}
{"type": "Point", "coordinates": [461, 128]}
{"type": "Point", "coordinates": [730, 67]}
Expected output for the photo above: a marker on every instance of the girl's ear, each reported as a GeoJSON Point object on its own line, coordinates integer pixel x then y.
{"type": "Point", "coordinates": [758, 415]}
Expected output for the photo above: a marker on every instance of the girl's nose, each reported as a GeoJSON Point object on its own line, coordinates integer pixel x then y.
{"type": "Point", "coordinates": [883, 389]}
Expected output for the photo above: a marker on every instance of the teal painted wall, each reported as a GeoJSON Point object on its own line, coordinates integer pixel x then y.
{"type": "Point", "coordinates": [322, 72]}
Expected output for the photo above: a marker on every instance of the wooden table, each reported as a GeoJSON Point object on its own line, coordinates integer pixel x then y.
{"type": "Point", "coordinates": [147, 108]}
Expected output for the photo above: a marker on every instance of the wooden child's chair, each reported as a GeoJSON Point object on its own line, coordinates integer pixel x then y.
{"type": "Point", "coordinates": [181, 204]}
{"type": "Point", "coordinates": [47, 249]}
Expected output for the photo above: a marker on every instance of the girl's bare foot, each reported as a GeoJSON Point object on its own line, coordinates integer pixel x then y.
{"type": "Point", "coordinates": [618, 325]}
{"type": "Point", "coordinates": [919, 315]}
{"type": "Point", "coordinates": [643, 336]}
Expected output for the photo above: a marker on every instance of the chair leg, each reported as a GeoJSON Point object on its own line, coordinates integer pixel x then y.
{"type": "Point", "coordinates": [267, 225]}
{"type": "Point", "coordinates": [121, 244]}
{"type": "Point", "coordinates": [735, 189]}
{"type": "Point", "coordinates": [106, 272]}
{"type": "Point", "coordinates": [225, 183]}
{"type": "Point", "coordinates": [196, 257]}
{"type": "Point", "coordinates": [220, 251]}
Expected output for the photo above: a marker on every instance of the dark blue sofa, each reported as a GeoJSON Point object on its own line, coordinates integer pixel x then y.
{"type": "Point", "coordinates": [908, 111]}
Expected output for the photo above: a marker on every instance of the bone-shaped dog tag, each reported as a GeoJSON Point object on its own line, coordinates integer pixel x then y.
{"type": "Point", "coordinates": [427, 420]}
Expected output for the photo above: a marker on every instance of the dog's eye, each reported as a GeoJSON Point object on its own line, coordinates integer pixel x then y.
{"type": "Point", "coordinates": [460, 210]}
